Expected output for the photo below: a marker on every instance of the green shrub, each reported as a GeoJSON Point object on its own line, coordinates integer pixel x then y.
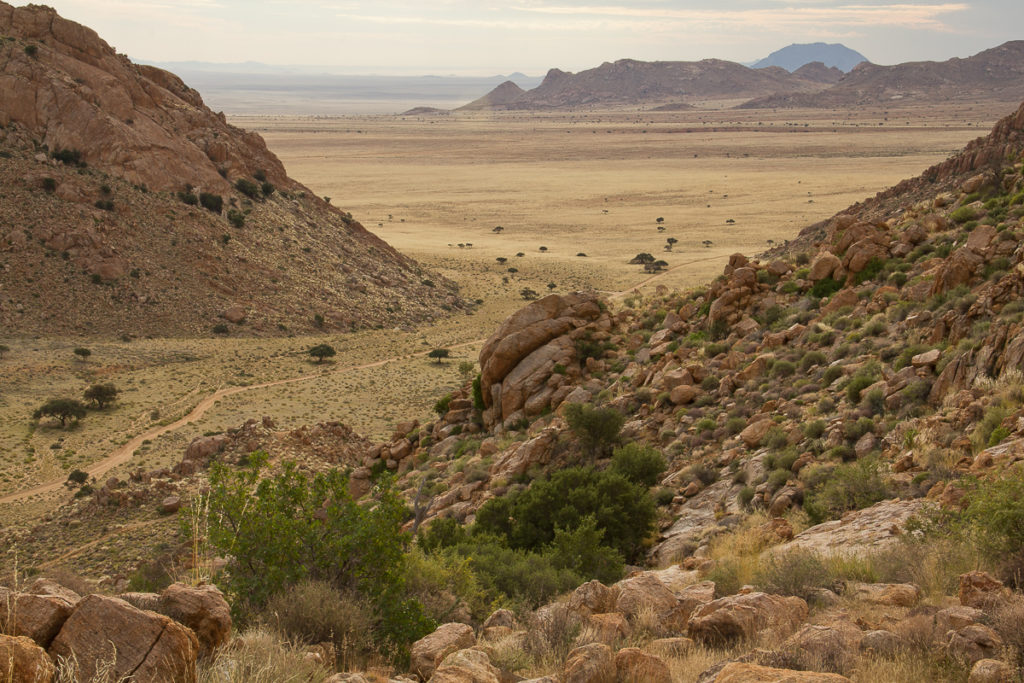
{"type": "Point", "coordinates": [745, 495]}
{"type": "Point", "coordinates": [856, 385]}
{"type": "Point", "coordinates": [279, 530]}
{"type": "Point", "coordinates": [640, 464]}
{"type": "Point", "coordinates": [849, 487]}
{"type": "Point", "coordinates": [963, 214]}
{"type": "Point", "coordinates": [478, 396]}
{"type": "Point", "coordinates": [783, 368]}
{"type": "Point", "coordinates": [833, 373]}
{"type": "Point", "coordinates": [441, 406]}
{"type": "Point", "coordinates": [814, 429]}
{"type": "Point", "coordinates": [796, 572]}
{"type": "Point", "coordinates": [735, 425]}
{"type": "Point", "coordinates": [826, 287]}
{"type": "Point", "coordinates": [247, 187]}
{"type": "Point", "coordinates": [220, 328]}
{"type": "Point", "coordinates": [776, 437]}
{"type": "Point", "coordinates": [528, 519]}
{"type": "Point", "coordinates": [995, 511]}
{"type": "Point", "coordinates": [596, 428]}
{"type": "Point", "coordinates": [70, 157]}
{"type": "Point", "coordinates": [211, 202]}
{"type": "Point", "coordinates": [236, 218]}
{"type": "Point", "coordinates": [811, 359]}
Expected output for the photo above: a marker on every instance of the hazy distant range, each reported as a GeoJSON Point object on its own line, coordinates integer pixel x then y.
{"type": "Point", "coordinates": [252, 88]}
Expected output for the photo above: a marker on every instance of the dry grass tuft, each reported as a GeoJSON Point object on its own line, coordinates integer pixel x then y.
{"type": "Point", "coordinates": [258, 656]}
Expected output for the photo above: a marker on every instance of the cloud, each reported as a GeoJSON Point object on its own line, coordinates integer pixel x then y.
{"type": "Point", "coordinates": [792, 17]}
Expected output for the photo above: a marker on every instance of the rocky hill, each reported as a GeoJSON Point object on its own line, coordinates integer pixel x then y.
{"type": "Point", "coordinates": [793, 57]}
{"type": "Point", "coordinates": [131, 208]}
{"type": "Point", "coordinates": [996, 74]}
{"type": "Point", "coordinates": [632, 82]}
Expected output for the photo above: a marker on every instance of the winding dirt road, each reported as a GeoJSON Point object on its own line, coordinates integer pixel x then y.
{"type": "Point", "coordinates": [124, 453]}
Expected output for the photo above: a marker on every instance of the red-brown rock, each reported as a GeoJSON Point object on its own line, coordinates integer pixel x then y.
{"type": "Point", "coordinates": [22, 661]}
{"type": "Point", "coordinates": [203, 609]}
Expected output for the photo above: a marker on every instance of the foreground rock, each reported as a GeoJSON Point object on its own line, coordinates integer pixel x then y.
{"type": "Point", "coordinates": [22, 661]}
{"type": "Point", "coordinates": [466, 666]}
{"type": "Point", "coordinates": [741, 617]}
{"type": "Point", "coordinates": [145, 645]}
{"type": "Point", "coordinates": [737, 672]}
{"type": "Point", "coordinates": [428, 652]}
{"type": "Point", "coordinates": [203, 609]}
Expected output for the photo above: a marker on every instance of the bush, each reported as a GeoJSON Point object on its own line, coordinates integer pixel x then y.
{"type": "Point", "coordinates": [797, 572]}
{"type": "Point", "coordinates": [236, 218]}
{"type": "Point", "coordinates": [528, 519]}
{"type": "Point", "coordinates": [71, 157]}
{"type": "Point", "coordinates": [248, 188]}
{"type": "Point", "coordinates": [848, 487]}
{"type": "Point", "coordinates": [996, 511]}
{"type": "Point", "coordinates": [441, 406]}
{"type": "Point", "coordinates": [858, 384]}
{"type": "Point", "coordinates": [282, 529]}
{"type": "Point", "coordinates": [478, 396]}
{"type": "Point", "coordinates": [812, 358]}
{"type": "Point", "coordinates": [814, 429]}
{"type": "Point", "coordinates": [189, 198]}
{"type": "Point", "coordinates": [776, 438]}
{"type": "Point", "coordinates": [322, 351]}
{"type": "Point", "coordinates": [783, 368]}
{"type": "Point", "coordinates": [211, 202]}
{"type": "Point", "coordinates": [825, 288]}
{"type": "Point", "coordinates": [596, 428]}
{"type": "Point", "coordinates": [220, 328]}
{"type": "Point", "coordinates": [314, 612]}
{"type": "Point", "coordinates": [101, 394]}
{"type": "Point", "coordinates": [78, 477]}
{"type": "Point", "coordinates": [638, 463]}
{"type": "Point", "coordinates": [963, 214]}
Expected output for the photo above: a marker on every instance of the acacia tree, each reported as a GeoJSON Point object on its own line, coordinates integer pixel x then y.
{"type": "Point", "coordinates": [438, 354]}
{"type": "Point", "coordinates": [101, 394]}
{"type": "Point", "coordinates": [64, 409]}
{"type": "Point", "coordinates": [82, 352]}
{"type": "Point", "coordinates": [322, 351]}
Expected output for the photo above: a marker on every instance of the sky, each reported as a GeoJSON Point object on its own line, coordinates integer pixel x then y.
{"type": "Point", "coordinates": [480, 37]}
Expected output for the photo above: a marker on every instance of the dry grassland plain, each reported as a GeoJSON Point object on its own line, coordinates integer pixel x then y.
{"type": "Point", "coordinates": [590, 183]}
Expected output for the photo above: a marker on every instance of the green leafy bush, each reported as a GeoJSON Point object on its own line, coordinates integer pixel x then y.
{"type": "Point", "coordinates": [284, 528]}
{"type": "Point", "coordinates": [528, 519]}
{"type": "Point", "coordinates": [638, 463]}
{"type": "Point", "coordinates": [826, 287]}
{"type": "Point", "coordinates": [211, 202]}
{"type": "Point", "coordinates": [848, 487]}
{"type": "Point", "coordinates": [596, 428]}
{"type": "Point", "coordinates": [247, 187]}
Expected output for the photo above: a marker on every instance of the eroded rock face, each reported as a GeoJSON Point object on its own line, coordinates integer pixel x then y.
{"type": "Point", "coordinates": [146, 645]}
{"type": "Point", "coordinates": [428, 652]}
{"type": "Point", "coordinates": [631, 664]}
{"type": "Point", "coordinates": [517, 361]}
{"type": "Point", "coordinates": [138, 122]}
{"type": "Point", "coordinates": [980, 590]}
{"type": "Point", "coordinates": [39, 612]}
{"type": "Point", "coordinates": [466, 666]}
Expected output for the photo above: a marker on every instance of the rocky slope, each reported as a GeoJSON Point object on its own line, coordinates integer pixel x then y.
{"type": "Point", "coordinates": [632, 82]}
{"type": "Point", "coordinates": [101, 226]}
{"type": "Point", "coordinates": [994, 74]}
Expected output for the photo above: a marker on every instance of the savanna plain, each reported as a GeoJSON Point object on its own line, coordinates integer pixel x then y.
{"type": "Point", "coordinates": [576, 195]}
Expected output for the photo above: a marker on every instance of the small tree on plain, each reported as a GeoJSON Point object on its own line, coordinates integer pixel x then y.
{"type": "Point", "coordinates": [502, 260]}
{"type": "Point", "coordinates": [64, 409]}
{"type": "Point", "coordinates": [552, 286]}
{"type": "Point", "coordinates": [466, 369]}
{"type": "Point", "coordinates": [439, 354]}
{"type": "Point", "coordinates": [322, 351]}
{"type": "Point", "coordinates": [527, 294]}
{"type": "Point", "coordinates": [101, 394]}
{"type": "Point", "coordinates": [82, 352]}
{"type": "Point", "coordinates": [671, 243]}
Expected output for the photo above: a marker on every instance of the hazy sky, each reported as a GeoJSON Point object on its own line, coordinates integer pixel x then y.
{"type": "Point", "coordinates": [480, 37]}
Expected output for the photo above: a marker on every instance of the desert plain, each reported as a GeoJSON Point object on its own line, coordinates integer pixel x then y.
{"type": "Point", "coordinates": [577, 195]}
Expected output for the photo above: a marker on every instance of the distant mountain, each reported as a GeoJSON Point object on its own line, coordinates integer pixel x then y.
{"type": "Point", "coordinates": [632, 82]}
{"type": "Point", "coordinates": [795, 56]}
{"type": "Point", "coordinates": [996, 74]}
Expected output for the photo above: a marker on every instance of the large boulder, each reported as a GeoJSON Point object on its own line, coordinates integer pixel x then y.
{"type": "Point", "coordinates": [592, 663]}
{"type": "Point", "coordinates": [428, 652]}
{"type": "Point", "coordinates": [531, 338]}
{"type": "Point", "coordinates": [22, 661]}
{"type": "Point", "coordinates": [980, 590]}
{"type": "Point", "coordinates": [466, 666]}
{"type": "Point", "coordinates": [991, 671]}
{"type": "Point", "coordinates": [892, 594]}
{"type": "Point", "coordinates": [643, 591]}
{"type": "Point", "coordinates": [593, 597]}
{"type": "Point", "coordinates": [145, 645]}
{"type": "Point", "coordinates": [741, 617]}
{"type": "Point", "coordinates": [39, 612]}
{"type": "Point", "coordinates": [203, 609]}
{"type": "Point", "coordinates": [632, 664]}
{"type": "Point", "coordinates": [974, 643]}
{"type": "Point", "coordinates": [740, 672]}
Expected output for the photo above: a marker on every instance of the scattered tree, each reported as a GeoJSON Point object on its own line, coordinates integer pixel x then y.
{"type": "Point", "coordinates": [596, 428]}
{"type": "Point", "coordinates": [513, 270]}
{"type": "Point", "coordinates": [520, 254]}
{"type": "Point", "coordinates": [707, 243]}
{"type": "Point", "coordinates": [322, 351]}
{"type": "Point", "coordinates": [528, 294]}
{"type": "Point", "coordinates": [64, 409]}
{"type": "Point", "coordinates": [543, 248]}
{"type": "Point", "coordinates": [4, 348]}
{"type": "Point", "coordinates": [671, 243]}
{"type": "Point", "coordinates": [466, 369]}
{"type": "Point", "coordinates": [101, 394]}
{"type": "Point", "coordinates": [497, 228]}
{"type": "Point", "coordinates": [660, 220]}
{"type": "Point", "coordinates": [438, 354]}
{"type": "Point", "coordinates": [502, 260]}
{"type": "Point", "coordinates": [82, 352]}
{"type": "Point", "coordinates": [552, 286]}
{"type": "Point", "coordinates": [642, 258]}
